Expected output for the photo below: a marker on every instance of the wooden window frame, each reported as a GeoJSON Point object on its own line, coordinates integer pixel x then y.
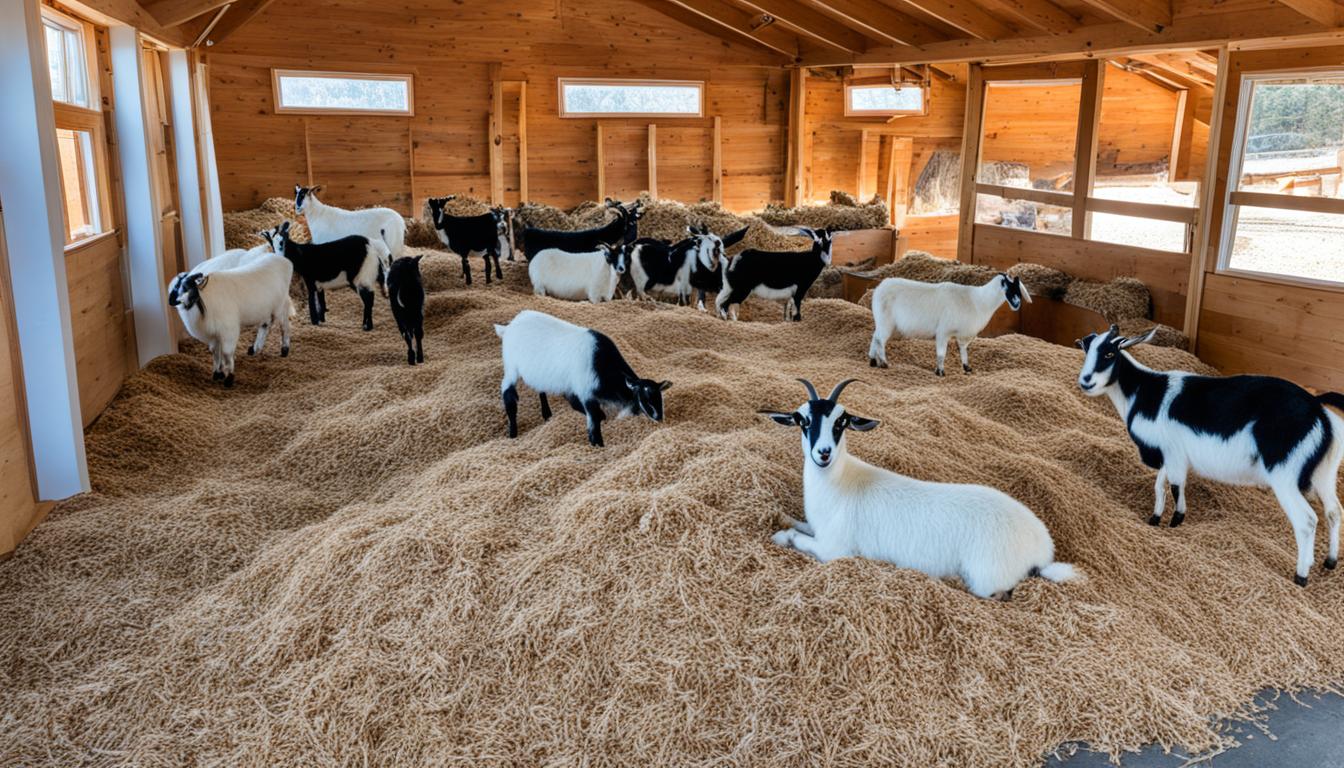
{"type": "Point", "coordinates": [1234, 199]}
{"type": "Point", "coordinates": [923, 100]}
{"type": "Point", "coordinates": [85, 30]}
{"type": "Point", "coordinates": [279, 109]}
{"type": "Point", "coordinates": [700, 85]}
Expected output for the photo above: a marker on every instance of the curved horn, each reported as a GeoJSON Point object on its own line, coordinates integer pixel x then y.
{"type": "Point", "coordinates": [811, 390]}
{"type": "Point", "coordinates": [835, 393]}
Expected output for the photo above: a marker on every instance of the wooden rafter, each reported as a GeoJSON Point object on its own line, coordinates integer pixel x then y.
{"type": "Point", "coordinates": [965, 15]}
{"type": "Point", "coordinates": [813, 23]}
{"type": "Point", "coordinates": [1169, 71]}
{"type": "Point", "coordinates": [873, 17]}
{"type": "Point", "coordinates": [763, 51]}
{"type": "Point", "coordinates": [1150, 15]}
{"type": "Point", "coordinates": [1182, 65]}
{"type": "Point", "coordinates": [743, 23]}
{"type": "Point", "coordinates": [170, 13]}
{"type": "Point", "coordinates": [1041, 14]}
{"type": "Point", "coordinates": [234, 18]}
{"type": "Point", "coordinates": [1320, 11]}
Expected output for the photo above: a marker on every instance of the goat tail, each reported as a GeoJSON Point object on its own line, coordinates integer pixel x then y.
{"type": "Point", "coordinates": [1332, 399]}
{"type": "Point", "coordinates": [1060, 573]}
{"type": "Point", "coordinates": [500, 329]}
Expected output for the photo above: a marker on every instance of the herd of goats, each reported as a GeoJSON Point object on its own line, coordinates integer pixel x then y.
{"type": "Point", "coordinates": [1244, 430]}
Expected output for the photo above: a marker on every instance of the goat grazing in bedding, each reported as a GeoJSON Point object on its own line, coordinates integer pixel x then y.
{"type": "Point", "coordinates": [355, 261]}
{"type": "Point", "coordinates": [581, 365]}
{"type": "Point", "coordinates": [939, 311]}
{"type": "Point", "coordinates": [486, 234]}
{"type": "Point", "coordinates": [1242, 430]}
{"type": "Point", "coordinates": [774, 275]}
{"type": "Point", "coordinates": [406, 294]}
{"type": "Point", "coordinates": [982, 535]}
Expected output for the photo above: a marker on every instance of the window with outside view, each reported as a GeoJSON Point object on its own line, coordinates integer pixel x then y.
{"type": "Point", "coordinates": [336, 92]}
{"type": "Point", "coordinates": [884, 99]}
{"type": "Point", "coordinates": [583, 98]}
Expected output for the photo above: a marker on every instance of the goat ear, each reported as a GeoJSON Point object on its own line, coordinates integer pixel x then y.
{"type": "Point", "coordinates": [663, 386]}
{"type": "Point", "coordinates": [1022, 289]}
{"type": "Point", "coordinates": [783, 419]}
{"type": "Point", "coordinates": [198, 281]}
{"type": "Point", "coordinates": [1136, 340]}
{"type": "Point", "coordinates": [860, 424]}
{"type": "Point", "coordinates": [313, 190]}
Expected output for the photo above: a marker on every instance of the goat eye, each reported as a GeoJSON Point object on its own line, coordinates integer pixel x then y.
{"type": "Point", "coordinates": [805, 423]}
{"type": "Point", "coordinates": [1109, 355]}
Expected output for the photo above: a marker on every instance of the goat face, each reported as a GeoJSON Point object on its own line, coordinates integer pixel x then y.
{"type": "Point", "coordinates": [618, 256]}
{"type": "Point", "coordinates": [1100, 352]}
{"type": "Point", "coordinates": [1013, 290]}
{"type": "Point", "coordinates": [185, 290]}
{"type": "Point", "coordinates": [823, 423]}
{"type": "Point", "coordinates": [301, 195]}
{"type": "Point", "coordinates": [822, 239]}
{"type": "Point", "coordinates": [648, 395]}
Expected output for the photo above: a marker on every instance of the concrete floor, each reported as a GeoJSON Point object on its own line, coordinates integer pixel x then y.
{"type": "Point", "coordinates": [1310, 735]}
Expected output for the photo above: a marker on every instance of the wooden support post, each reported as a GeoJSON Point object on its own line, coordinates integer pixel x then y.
{"type": "Point", "coordinates": [970, 160]}
{"type": "Point", "coordinates": [1204, 234]}
{"type": "Point", "coordinates": [601, 167]}
{"type": "Point", "coordinates": [902, 157]}
{"type": "Point", "coordinates": [307, 152]}
{"type": "Point", "coordinates": [410, 162]}
{"type": "Point", "coordinates": [522, 142]}
{"type": "Point", "coordinates": [653, 161]}
{"type": "Point", "coordinates": [1085, 152]}
{"type": "Point", "coordinates": [717, 179]}
{"type": "Point", "coordinates": [863, 166]}
{"type": "Point", "coordinates": [1178, 169]}
{"type": "Point", "coordinates": [496, 136]}
{"type": "Point", "coordinates": [795, 169]}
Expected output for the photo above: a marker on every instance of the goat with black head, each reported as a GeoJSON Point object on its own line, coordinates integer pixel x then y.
{"type": "Point", "coordinates": [624, 228]}
{"type": "Point", "coordinates": [486, 234]}
{"type": "Point", "coordinates": [774, 275]}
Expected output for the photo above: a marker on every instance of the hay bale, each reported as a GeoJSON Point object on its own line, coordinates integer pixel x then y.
{"type": "Point", "coordinates": [927, 268]}
{"type": "Point", "coordinates": [542, 216]}
{"type": "Point", "coordinates": [1166, 335]}
{"type": "Point", "coordinates": [1120, 299]}
{"type": "Point", "coordinates": [420, 234]}
{"type": "Point", "coordinates": [241, 227]}
{"type": "Point", "coordinates": [1042, 281]}
{"type": "Point", "coordinates": [836, 216]}
{"type": "Point", "coordinates": [938, 187]}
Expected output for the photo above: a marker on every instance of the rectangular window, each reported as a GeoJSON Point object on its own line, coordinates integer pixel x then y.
{"type": "Point", "coordinates": [1286, 215]}
{"type": "Point", "coordinates": [883, 100]}
{"type": "Point", "coordinates": [303, 92]}
{"type": "Point", "coordinates": [79, 183]}
{"type": "Point", "coordinates": [1027, 155]}
{"type": "Point", "coordinates": [631, 98]}
{"type": "Point", "coordinates": [66, 60]}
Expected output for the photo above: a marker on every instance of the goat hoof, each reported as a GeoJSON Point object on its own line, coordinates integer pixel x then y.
{"type": "Point", "coordinates": [251, 352]}
{"type": "Point", "coordinates": [938, 372]}
{"type": "Point", "coordinates": [1330, 563]}
{"type": "Point", "coordinates": [217, 375]}
{"type": "Point", "coordinates": [872, 363]}
{"type": "Point", "coordinates": [368, 326]}
{"type": "Point", "coordinates": [965, 369]}
{"type": "Point", "coordinates": [1155, 520]}
{"type": "Point", "coordinates": [1177, 519]}
{"type": "Point", "coordinates": [228, 381]}
{"type": "Point", "coordinates": [1301, 581]}
{"type": "Point", "coordinates": [284, 351]}
{"type": "Point", "coordinates": [419, 358]}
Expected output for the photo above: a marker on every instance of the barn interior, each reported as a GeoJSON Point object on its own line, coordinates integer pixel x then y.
{"type": "Point", "coordinates": [343, 559]}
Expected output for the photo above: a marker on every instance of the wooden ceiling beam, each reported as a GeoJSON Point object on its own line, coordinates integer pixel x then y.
{"type": "Point", "coordinates": [814, 24]}
{"type": "Point", "coordinates": [1041, 14]}
{"type": "Point", "coordinates": [877, 18]}
{"type": "Point", "coordinates": [170, 13]}
{"type": "Point", "coordinates": [1324, 12]}
{"type": "Point", "coordinates": [1149, 15]}
{"type": "Point", "coordinates": [744, 24]}
{"type": "Point", "coordinates": [965, 15]}
{"type": "Point", "coordinates": [1171, 69]}
{"type": "Point", "coordinates": [234, 18]}
{"type": "Point", "coordinates": [763, 54]}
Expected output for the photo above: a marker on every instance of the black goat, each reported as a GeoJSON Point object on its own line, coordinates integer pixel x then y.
{"type": "Point", "coordinates": [465, 235]}
{"type": "Point", "coordinates": [406, 293]}
{"type": "Point", "coordinates": [623, 229]}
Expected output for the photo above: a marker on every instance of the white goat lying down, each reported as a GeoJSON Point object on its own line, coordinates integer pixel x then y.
{"type": "Point", "coordinates": [590, 275]}
{"type": "Point", "coordinates": [1242, 430]}
{"type": "Point", "coordinates": [939, 311]}
{"type": "Point", "coordinates": [981, 535]}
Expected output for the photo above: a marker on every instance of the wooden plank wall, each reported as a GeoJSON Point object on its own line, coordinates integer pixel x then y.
{"type": "Point", "coordinates": [1262, 325]}
{"type": "Point", "coordinates": [367, 160]}
{"type": "Point", "coordinates": [101, 323]}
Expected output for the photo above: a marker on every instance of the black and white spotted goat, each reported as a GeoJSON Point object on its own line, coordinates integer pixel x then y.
{"type": "Point", "coordinates": [579, 364]}
{"type": "Point", "coordinates": [774, 275]}
{"type": "Point", "coordinates": [486, 234]}
{"type": "Point", "coordinates": [978, 534]}
{"type": "Point", "coordinates": [1242, 430]}
{"type": "Point", "coordinates": [659, 267]}
{"type": "Point", "coordinates": [355, 261]}
{"type": "Point", "coordinates": [622, 229]}
{"type": "Point", "coordinates": [705, 280]}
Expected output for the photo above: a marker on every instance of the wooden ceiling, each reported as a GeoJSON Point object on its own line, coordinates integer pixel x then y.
{"type": "Point", "coordinates": [885, 32]}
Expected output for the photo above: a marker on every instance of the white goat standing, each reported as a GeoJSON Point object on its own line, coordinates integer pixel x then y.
{"type": "Point", "coordinates": [938, 311]}
{"type": "Point", "coordinates": [327, 223]}
{"type": "Point", "coordinates": [981, 535]}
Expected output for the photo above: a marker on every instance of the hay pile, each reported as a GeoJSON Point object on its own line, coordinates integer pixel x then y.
{"type": "Point", "coordinates": [843, 212]}
{"type": "Point", "coordinates": [241, 227]}
{"type": "Point", "coordinates": [1121, 299]}
{"type": "Point", "coordinates": [344, 561]}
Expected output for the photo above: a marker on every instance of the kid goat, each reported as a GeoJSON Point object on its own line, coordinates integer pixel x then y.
{"type": "Point", "coordinates": [774, 275]}
{"type": "Point", "coordinates": [406, 293]}
{"type": "Point", "coordinates": [355, 261]}
{"type": "Point", "coordinates": [939, 311]}
{"type": "Point", "coordinates": [579, 364]}
{"type": "Point", "coordinates": [485, 234]}
{"type": "Point", "coordinates": [977, 533]}
{"type": "Point", "coordinates": [1243, 430]}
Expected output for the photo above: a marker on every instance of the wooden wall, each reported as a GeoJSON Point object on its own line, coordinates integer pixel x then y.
{"type": "Point", "coordinates": [443, 148]}
{"type": "Point", "coordinates": [101, 323]}
{"type": "Point", "coordinates": [1261, 324]}
{"type": "Point", "coordinates": [19, 509]}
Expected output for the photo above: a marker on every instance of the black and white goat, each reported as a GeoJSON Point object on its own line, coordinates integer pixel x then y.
{"type": "Point", "coordinates": [1242, 430]}
{"type": "Point", "coordinates": [590, 275]}
{"type": "Point", "coordinates": [705, 280]}
{"type": "Point", "coordinates": [327, 223]}
{"type": "Point", "coordinates": [579, 364]}
{"type": "Point", "coordinates": [406, 293]}
{"type": "Point", "coordinates": [978, 534]}
{"type": "Point", "coordinates": [355, 261]}
{"type": "Point", "coordinates": [622, 229]}
{"type": "Point", "coordinates": [657, 267]}
{"type": "Point", "coordinates": [486, 234]}
{"type": "Point", "coordinates": [939, 311]}
{"type": "Point", "coordinates": [774, 275]}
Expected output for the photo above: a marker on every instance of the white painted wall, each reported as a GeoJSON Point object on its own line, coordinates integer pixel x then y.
{"type": "Point", "coordinates": [214, 205]}
{"type": "Point", "coordinates": [35, 234]}
{"type": "Point", "coordinates": [188, 176]}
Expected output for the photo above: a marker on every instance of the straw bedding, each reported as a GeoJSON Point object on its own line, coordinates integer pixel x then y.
{"type": "Point", "coordinates": [344, 561]}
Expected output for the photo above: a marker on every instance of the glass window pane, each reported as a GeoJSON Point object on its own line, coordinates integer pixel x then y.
{"type": "Point", "coordinates": [1030, 134]}
{"type": "Point", "coordinates": [1023, 214]}
{"type": "Point", "coordinates": [1283, 242]}
{"type": "Point", "coordinates": [1154, 234]}
{"type": "Point", "coordinates": [1134, 141]}
{"type": "Point", "coordinates": [886, 98]}
{"type": "Point", "coordinates": [56, 62]}
{"type": "Point", "coordinates": [79, 182]}
{"type": "Point", "coordinates": [1294, 137]}
{"type": "Point", "coordinates": [641, 98]}
{"type": "Point", "coordinates": [78, 80]}
{"type": "Point", "coordinates": [344, 93]}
